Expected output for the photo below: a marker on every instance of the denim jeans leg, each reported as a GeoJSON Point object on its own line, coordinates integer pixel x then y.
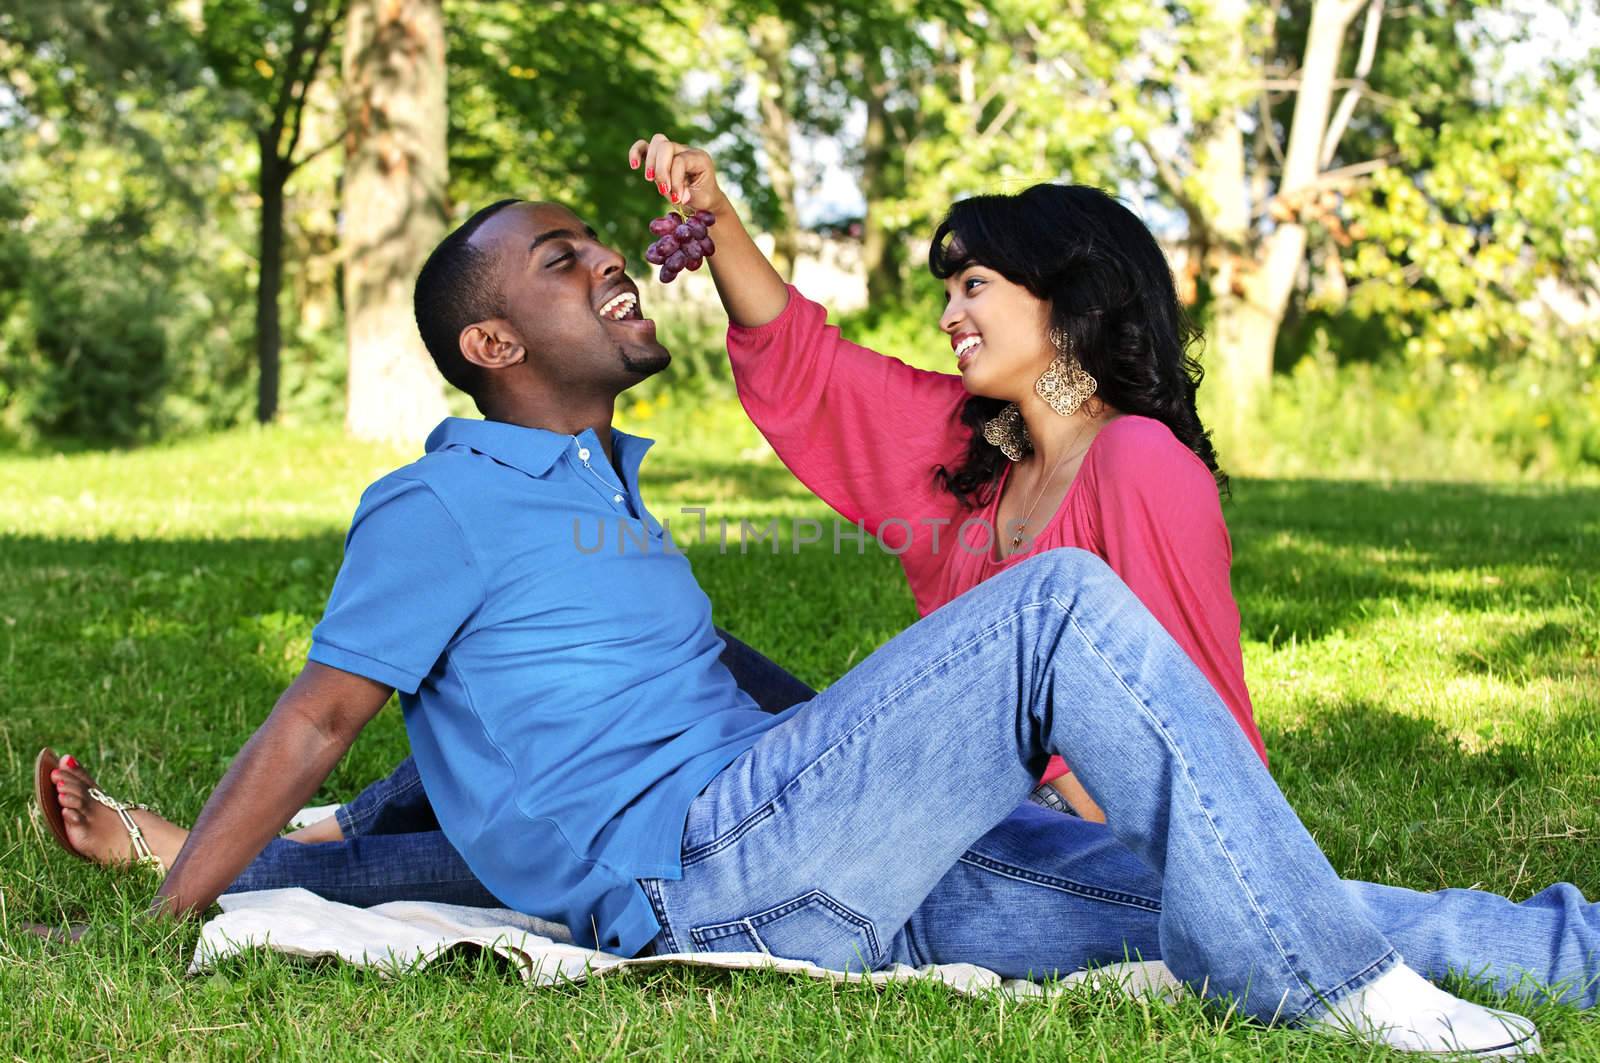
{"type": "Point", "coordinates": [1548, 944]}
{"type": "Point", "coordinates": [824, 838]}
{"type": "Point", "coordinates": [1040, 895]}
{"type": "Point", "coordinates": [396, 804]}
{"type": "Point", "coordinates": [767, 682]}
{"type": "Point", "coordinates": [370, 870]}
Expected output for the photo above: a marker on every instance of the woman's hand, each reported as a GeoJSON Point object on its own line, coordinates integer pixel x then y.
{"type": "Point", "coordinates": [1070, 788]}
{"type": "Point", "coordinates": [751, 290]}
{"type": "Point", "coordinates": [685, 175]}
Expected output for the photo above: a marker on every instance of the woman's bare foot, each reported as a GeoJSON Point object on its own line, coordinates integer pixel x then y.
{"type": "Point", "coordinates": [323, 830]}
{"type": "Point", "coordinates": [97, 833]}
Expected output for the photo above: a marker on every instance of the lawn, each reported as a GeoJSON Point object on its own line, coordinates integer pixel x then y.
{"type": "Point", "coordinates": [1425, 661]}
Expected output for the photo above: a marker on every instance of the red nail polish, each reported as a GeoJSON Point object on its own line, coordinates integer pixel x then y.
{"type": "Point", "coordinates": [650, 174]}
{"type": "Point", "coordinates": [663, 188]}
{"type": "Point", "coordinates": [69, 761]}
{"type": "Point", "coordinates": [674, 197]}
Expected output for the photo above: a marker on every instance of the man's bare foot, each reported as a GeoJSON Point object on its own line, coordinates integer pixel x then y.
{"type": "Point", "coordinates": [97, 833]}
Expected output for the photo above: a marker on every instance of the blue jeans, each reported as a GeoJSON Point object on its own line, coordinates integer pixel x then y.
{"type": "Point", "coordinates": [885, 822]}
{"type": "Point", "coordinates": [393, 848]}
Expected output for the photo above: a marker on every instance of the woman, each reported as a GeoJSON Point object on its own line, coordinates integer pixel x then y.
{"type": "Point", "coordinates": [1070, 419]}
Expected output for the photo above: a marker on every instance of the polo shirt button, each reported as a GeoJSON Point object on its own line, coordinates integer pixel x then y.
{"type": "Point", "coordinates": [616, 498]}
{"type": "Point", "coordinates": [583, 453]}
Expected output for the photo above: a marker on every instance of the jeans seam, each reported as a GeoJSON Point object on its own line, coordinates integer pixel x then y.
{"type": "Point", "coordinates": [722, 841]}
{"type": "Point", "coordinates": [1216, 832]}
{"type": "Point", "coordinates": [658, 904]}
{"type": "Point", "coordinates": [1129, 900]}
{"type": "Point", "coordinates": [1350, 985]}
{"type": "Point", "coordinates": [747, 924]}
{"type": "Point", "coordinates": [353, 828]}
{"type": "Point", "coordinates": [913, 948]}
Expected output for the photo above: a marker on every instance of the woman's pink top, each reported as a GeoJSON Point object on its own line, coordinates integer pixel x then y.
{"type": "Point", "coordinates": [864, 432]}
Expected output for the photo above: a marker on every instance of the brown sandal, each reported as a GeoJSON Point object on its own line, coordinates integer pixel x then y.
{"type": "Point", "coordinates": [44, 794]}
{"type": "Point", "coordinates": [44, 791]}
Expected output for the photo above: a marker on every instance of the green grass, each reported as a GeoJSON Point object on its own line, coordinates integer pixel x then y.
{"type": "Point", "coordinates": [1425, 661]}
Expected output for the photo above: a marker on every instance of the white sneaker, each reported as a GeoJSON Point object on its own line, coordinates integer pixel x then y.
{"type": "Point", "coordinates": [1406, 1012]}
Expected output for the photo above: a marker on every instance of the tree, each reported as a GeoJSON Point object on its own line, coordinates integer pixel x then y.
{"type": "Point", "coordinates": [270, 54]}
{"type": "Point", "coordinates": [1288, 136]}
{"type": "Point", "coordinates": [879, 54]}
{"type": "Point", "coordinates": [770, 43]}
{"type": "Point", "coordinates": [1252, 285]}
{"type": "Point", "coordinates": [394, 210]}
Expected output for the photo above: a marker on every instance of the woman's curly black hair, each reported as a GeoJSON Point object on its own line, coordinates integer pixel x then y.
{"type": "Point", "coordinates": [1110, 291]}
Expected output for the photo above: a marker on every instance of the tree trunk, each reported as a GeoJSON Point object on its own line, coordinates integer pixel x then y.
{"type": "Point", "coordinates": [394, 211]}
{"type": "Point", "coordinates": [269, 279]}
{"type": "Point", "coordinates": [770, 40]}
{"type": "Point", "coordinates": [880, 246]}
{"type": "Point", "coordinates": [1250, 298]}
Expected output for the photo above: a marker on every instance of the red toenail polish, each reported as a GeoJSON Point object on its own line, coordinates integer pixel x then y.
{"type": "Point", "coordinates": [69, 761]}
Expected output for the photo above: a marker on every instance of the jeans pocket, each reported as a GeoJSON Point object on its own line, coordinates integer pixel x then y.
{"type": "Point", "coordinates": [813, 927]}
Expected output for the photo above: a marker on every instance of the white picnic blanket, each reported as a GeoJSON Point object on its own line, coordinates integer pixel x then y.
{"type": "Point", "coordinates": [407, 935]}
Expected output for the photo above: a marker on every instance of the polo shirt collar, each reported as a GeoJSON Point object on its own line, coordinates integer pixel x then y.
{"type": "Point", "coordinates": [534, 450]}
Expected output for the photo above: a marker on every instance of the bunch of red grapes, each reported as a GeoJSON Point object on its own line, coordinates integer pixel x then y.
{"type": "Point", "coordinates": [681, 242]}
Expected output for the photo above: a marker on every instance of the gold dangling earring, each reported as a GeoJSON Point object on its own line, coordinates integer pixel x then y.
{"type": "Point", "coordinates": [1065, 385]}
{"type": "Point", "coordinates": [1008, 432]}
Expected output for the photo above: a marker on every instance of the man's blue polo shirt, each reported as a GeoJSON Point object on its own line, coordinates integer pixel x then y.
{"type": "Point", "coordinates": [556, 664]}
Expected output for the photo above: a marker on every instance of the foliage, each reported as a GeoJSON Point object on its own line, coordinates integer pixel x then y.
{"type": "Point", "coordinates": [1530, 420]}
{"type": "Point", "coordinates": [547, 98]}
{"type": "Point", "coordinates": [112, 321]}
{"type": "Point", "coordinates": [1422, 660]}
{"type": "Point", "coordinates": [136, 209]}
{"type": "Point", "coordinates": [1455, 254]}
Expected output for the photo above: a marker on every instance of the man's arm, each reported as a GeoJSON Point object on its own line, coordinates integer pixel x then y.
{"type": "Point", "coordinates": [275, 774]}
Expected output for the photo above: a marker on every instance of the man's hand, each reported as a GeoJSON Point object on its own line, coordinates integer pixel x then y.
{"type": "Point", "coordinates": [274, 775]}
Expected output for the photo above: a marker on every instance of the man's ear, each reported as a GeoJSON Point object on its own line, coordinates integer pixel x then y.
{"type": "Point", "coordinates": [492, 345]}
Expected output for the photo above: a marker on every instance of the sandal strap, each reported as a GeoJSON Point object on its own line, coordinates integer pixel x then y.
{"type": "Point", "coordinates": [124, 810]}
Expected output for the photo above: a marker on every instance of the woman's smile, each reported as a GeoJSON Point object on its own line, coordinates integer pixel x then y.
{"type": "Point", "coordinates": [966, 345]}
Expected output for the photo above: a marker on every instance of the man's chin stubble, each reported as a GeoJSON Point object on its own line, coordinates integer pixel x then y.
{"type": "Point", "coordinates": [647, 365]}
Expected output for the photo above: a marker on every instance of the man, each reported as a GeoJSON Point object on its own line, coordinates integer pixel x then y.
{"type": "Point", "coordinates": [595, 763]}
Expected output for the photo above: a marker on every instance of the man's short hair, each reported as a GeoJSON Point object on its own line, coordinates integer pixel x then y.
{"type": "Point", "coordinates": [457, 287]}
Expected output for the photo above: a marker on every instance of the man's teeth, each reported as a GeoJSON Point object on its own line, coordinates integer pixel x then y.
{"type": "Point", "coordinates": [967, 345]}
{"type": "Point", "coordinates": [619, 307]}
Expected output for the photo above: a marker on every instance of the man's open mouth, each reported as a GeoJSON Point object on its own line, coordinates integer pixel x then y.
{"type": "Point", "coordinates": [622, 307]}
